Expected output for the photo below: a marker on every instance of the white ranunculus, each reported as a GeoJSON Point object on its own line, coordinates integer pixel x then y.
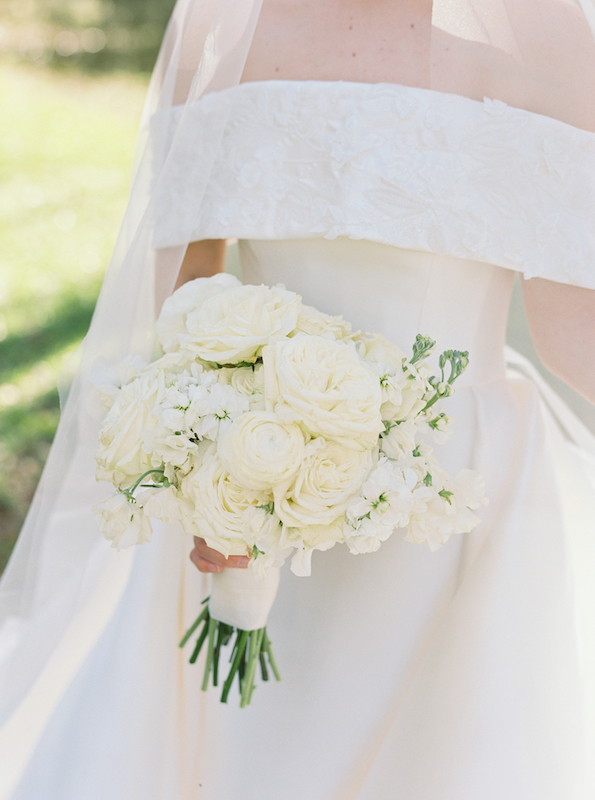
{"type": "Point", "coordinates": [260, 451]}
{"type": "Point", "coordinates": [328, 477]}
{"type": "Point", "coordinates": [234, 326]}
{"type": "Point", "coordinates": [325, 387]}
{"type": "Point", "coordinates": [120, 457]}
{"type": "Point", "coordinates": [315, 323]}
{"type": "Point", "coordinates": [122, 522]}
{"type": "Point", "coordinates": [171, 324]}
{"type": "Point", "coordinates": [217, 505]}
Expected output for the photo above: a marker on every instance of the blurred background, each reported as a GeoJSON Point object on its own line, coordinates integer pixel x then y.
{"type": "Point", "coordinates": [73, 74]}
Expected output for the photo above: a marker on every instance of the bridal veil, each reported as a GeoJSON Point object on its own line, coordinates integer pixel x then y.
{"type": "Point", "coordinates": [49, 618]}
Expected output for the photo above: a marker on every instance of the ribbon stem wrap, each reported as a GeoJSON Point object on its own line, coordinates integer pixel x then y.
{"type": "Point", "coordinates": [243, 599]}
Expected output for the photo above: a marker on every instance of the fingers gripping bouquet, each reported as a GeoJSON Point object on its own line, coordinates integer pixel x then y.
{"type": "Point", "coordinates": [271, 429]}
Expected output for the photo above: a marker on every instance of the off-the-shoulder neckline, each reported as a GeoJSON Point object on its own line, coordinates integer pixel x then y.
{"type": "Point", "coordinates": [400, 87]}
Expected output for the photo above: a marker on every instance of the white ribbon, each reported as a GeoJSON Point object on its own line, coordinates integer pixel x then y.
{"type": "Point", "coordinates": [241, 598]}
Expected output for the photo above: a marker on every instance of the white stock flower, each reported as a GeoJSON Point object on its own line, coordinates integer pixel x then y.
{"type": "Point", "coordinates": [263, 530]}
{"type": "Point", "coordinates": [318, 495]}
{"type": "Point", "coordinates": [194, 406]}
{"type": "Point", "coordinates": [162, 503]}
{"type": "Point", "coordinates": [398, 442]}
{"type": "Point", "coordinates": [386, 501]}
{"type": "Point", "coordinates": [310, 538]}
{"type": "Point", "coordinates": [217, 505]}
{"type": "Point", "coordinates": [315, 323]}
{"type": "Point", "coordinates": [325, 387]}
{"type": "Point", "coordinates": [432, 523]}
{"type": "Point", "coordinates": [122, 522]}
{"type": "Point", "coordinates": [260, 451]}
{"type": "Point", "coordinates": [415, 389]}
{"type": "Point", "coordinates": [450, 512]}
{"type": "Point", "coordinates": [171, 325]}
{"type": "Point", "coordinates": [233, 326]}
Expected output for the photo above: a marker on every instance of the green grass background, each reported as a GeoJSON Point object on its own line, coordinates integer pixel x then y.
{"type": "Point", "coordinates": [68, 120]}
{"type": "Point", "coordinates": [72, 81]}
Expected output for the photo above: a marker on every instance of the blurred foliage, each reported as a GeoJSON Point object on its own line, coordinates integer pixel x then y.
{"type": "Point", "coordinates": [66, 145]}
{"type": "Point", "coordinates": [91, 35]}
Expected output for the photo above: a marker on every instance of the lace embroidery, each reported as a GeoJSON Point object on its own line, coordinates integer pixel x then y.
{"type": "Point", "coordinates": [402, 166]}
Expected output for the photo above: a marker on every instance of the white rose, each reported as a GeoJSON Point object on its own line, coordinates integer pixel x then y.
{"type": "Point", "coordinates": [249, 381]}
{"type": "Point", "coordinates": [329, 476]}
{"type": "Point", "coordinates": [217, 505]}
{"type": "Point", "coordinates": [233, 326]}
{"type": "Point", "coordinates": [259, 451]}
{"type": "Point", "coordinates": [315, 323]}
{"type": "Point", "coordinates": [376, 348]}
{"type": "Point", "coordinates": [325, 387]}
{"type": "Point", "coordinates": [122, 522]}
{"type": "Point", "coordinates": [171, 324]}
{"type": "Point", "coordinates": [120, 456]}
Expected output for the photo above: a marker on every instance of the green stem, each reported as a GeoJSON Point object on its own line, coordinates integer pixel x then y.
{"type": "Point", "coordinates": [217, 652]}
{"type": "Point", "coordinates": [141, 479]}
{"type": "Point", "coordinates": [263, 666]}
{"type": "Point", "coordinates": [267, 647]}
{"type": "Point", "coordinates": [250, 668]}
{"type": "Point", "coordinates": [260, 637]}
{"type": "Point", "coordinates": [194, 626]}
{"type": "Point", "coordinates": [239, 652]}
{"type": "Point", "coordinates": [213, 624]}
{"type": "Point", "coordinates": [199, 642]}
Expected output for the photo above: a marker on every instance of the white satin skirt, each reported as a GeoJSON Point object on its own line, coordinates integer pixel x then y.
{"type": "Point", "coordinates": [465, 674]}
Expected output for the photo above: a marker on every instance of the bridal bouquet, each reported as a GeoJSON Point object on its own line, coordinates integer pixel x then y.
{"type": "Point", "coordinates": [271, 429]}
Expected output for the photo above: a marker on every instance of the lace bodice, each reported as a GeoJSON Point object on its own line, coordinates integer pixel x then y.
{"type": "Point", "coordinates": [403, 166]}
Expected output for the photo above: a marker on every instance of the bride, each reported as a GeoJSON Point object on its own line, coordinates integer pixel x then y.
{"type": "Point", "coordinates": [396, 163]}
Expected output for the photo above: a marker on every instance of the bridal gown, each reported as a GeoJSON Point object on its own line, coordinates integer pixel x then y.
{"type": "Point", "coordinates": [464, 674]}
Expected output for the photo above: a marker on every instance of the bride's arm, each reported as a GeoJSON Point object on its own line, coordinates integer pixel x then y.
{"type": "Point", "coordinates": [202, 259]}
{"type": "Point", "coordinates": [562, 323]}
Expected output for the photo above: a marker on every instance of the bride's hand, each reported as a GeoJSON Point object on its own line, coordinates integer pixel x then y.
{"type": "Point", "coordinates": [207, 560]}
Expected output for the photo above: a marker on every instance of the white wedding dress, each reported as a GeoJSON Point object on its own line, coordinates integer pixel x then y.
{"type": "Point", "coordinates": [464, 674]}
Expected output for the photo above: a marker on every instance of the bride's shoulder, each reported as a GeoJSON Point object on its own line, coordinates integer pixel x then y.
{"type": "Point", "coordinates": [545, 65]}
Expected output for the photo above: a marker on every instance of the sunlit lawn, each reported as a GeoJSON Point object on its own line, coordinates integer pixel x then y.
{"type": "Point", "coordinates": [66, 145]}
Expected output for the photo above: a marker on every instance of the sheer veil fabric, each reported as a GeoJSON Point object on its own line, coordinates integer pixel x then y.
{"type": "Point", "coordinates": [532, 54]}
